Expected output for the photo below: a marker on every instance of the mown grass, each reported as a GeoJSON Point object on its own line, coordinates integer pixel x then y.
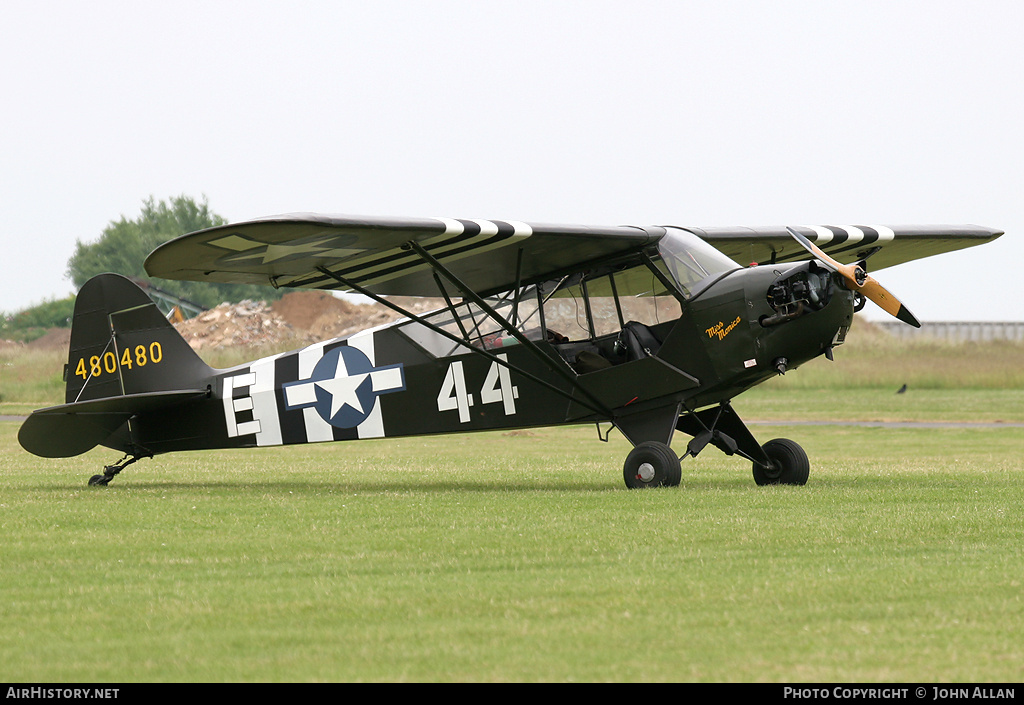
{"type": "Point", "coordinates": [771, 402]}
{"type": "Point", "coordinates": [30, 378]}
{"type": "Point", "coordinates": [522, 557]}
{"type": "Point", "coordinates": [873, 359]}
{"type": "Point", "coordinates": [494, 557]}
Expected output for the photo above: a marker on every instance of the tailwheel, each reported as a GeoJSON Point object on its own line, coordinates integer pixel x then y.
{"type": "Point", "coordinates": [790, 465]}
{"type": "Point", "coordinates": [109, 471]}
{"type": "Point", "coordinates": [651, 464]}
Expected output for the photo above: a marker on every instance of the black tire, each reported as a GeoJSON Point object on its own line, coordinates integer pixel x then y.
{"type": "Point", "coordinates": [651, 464]}
{"type": "Point", "coordinates": [791, 464]}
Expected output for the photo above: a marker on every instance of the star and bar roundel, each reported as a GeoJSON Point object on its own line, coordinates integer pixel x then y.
{"type": "Point", "coordinates": [344, 387]}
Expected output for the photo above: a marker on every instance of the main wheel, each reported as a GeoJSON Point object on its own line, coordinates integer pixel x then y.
{"type": "Point", "coordinates": [790, 464]}
{"type": "Point", "coordinates": [651, 464]}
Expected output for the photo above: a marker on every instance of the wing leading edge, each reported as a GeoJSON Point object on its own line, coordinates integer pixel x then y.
{"type": "Point", "coordinates": [882, 246]}
{"type": "Point", "coordinates": [492, 256]}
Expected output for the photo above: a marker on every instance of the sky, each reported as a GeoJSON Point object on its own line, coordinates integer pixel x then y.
{"type": "Point", "coordinates": [596, 113]}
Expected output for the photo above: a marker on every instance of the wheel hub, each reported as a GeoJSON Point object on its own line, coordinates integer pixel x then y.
{"type": "Point", "coordinates": [645, 472]}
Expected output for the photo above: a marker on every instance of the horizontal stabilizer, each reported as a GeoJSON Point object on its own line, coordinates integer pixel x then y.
{"type": "Point", "coordinates": [71, 429]}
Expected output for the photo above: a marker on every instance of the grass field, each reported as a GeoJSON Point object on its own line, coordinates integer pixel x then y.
{"type": "Point", "coordinates": [518, 558]}
{"type": "Point", "coordinates": [522, 557]}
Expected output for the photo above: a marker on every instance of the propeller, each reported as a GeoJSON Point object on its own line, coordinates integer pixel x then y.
{"type": "Point", "coordinates": [859, 280]}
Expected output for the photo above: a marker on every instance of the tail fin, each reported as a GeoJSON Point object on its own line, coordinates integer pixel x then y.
{"type": "Point", "coordinates": [125, 358]}
{"type": "Point", "coordinates": [121, 344]}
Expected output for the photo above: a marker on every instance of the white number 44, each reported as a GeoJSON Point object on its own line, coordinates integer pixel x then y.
{"type": "Point", "coordinates": [497, 387]}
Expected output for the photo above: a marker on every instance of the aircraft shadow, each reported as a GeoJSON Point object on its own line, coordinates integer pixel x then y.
{"type": "Point", "coordinates": [737, 484]}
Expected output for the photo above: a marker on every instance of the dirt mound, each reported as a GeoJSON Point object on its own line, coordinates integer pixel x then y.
{"type": "Point", "coordinates": [301, 309]}
{"type": "Point", "coordinates": [298, 318]}
{"type": "Point", "coordinates": [318, 314]}
{"type": "Point", "coordinates": [53, 339]}
{"type": "Point", "coordinates": [245, 323]}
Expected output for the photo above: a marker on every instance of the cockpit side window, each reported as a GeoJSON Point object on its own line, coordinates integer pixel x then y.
{"type": "Point", "coordinates": [591, 306]}
{"type": "Point", "coordinates": [471, 324]}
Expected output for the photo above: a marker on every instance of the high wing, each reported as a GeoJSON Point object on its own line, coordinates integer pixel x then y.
{"type": "Point", "coordinates": [489, 256]}
{"type": "Point", "coordinates": [882, 246]}
{"type": "Point", "coordinates": [386, 255]}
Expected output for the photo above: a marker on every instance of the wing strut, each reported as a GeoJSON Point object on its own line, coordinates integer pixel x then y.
{"type": "Point", "coordinates": [523, 340]}
{"type": "Point", "coordinates": [451, 307]}
{"type": "Point", "coordinates": [595, 406]}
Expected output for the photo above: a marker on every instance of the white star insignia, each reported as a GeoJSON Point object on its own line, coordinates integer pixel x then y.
{"type": "Point", "coordinates": [343, 391]}
{"type": "Point", "coordinates": [248, 249]}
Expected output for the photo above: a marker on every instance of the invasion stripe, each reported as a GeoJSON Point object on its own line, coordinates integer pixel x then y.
{"type": "Point", "coordinates": [873, 235]}
{"type": "Point", "coordinates": [836, 240]}
{"type": "Point", "coordinates": [822, 235]}
{"type": "Point", "coordinates": [839, 236]}
{"type": "Point", "coordinates": [316, 428]}
{"type": "Point", "coordinates": [492, 235]}
{"type": "Point", "coordinates": [461, 238]}
{"type": "Point", "coordinates": [404, 261]}
{"type": "Point", "coordinates": [853, 233]}
{"type": "Point", "coordinates": [373, 425]}
{"type": "Point", "coordinates": [885, 234]}
{"type": "Point", "coordinates": [293, 428]}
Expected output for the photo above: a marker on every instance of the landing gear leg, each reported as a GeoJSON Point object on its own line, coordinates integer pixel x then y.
{"type": "Point", "coordinates": [790, 465]}
{"type": "Point", "coordinates": [651, 464]}
{"type": "Point", "coordinates": [777, 462]}
{"type": "Point", "coordinates": [109, 471]}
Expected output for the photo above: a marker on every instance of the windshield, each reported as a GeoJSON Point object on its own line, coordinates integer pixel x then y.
{"type": "Point", "coordinates": [693, 263]}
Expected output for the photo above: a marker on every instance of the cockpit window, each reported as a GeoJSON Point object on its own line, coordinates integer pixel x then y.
{"type": "Point", "coordinates": [693, 263]}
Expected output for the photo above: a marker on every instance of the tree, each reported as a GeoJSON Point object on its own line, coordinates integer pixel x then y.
{"type": "Point", "coordinates": [30, 323]}
{"type": "Point", "coordinates": [124, 245]}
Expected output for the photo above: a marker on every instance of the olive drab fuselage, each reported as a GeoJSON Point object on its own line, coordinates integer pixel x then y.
{"type": "Point", "coordinates": [648, 330]}
{"type": "Point", "coordinates": [386, 383]}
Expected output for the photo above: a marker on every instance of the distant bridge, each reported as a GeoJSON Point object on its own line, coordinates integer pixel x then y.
{"type": "Point", "coordinates": [957, 330]}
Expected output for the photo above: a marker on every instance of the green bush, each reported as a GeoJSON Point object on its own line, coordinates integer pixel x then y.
{"type": "Point", "coordinates": [33, 322]}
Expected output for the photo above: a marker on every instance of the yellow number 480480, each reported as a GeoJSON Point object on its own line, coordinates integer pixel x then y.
{"type": "Point", "coordinates": [108, 363]}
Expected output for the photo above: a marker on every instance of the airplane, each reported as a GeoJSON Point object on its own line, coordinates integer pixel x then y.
{"type": "Point", "coordinates": [648, 330]}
